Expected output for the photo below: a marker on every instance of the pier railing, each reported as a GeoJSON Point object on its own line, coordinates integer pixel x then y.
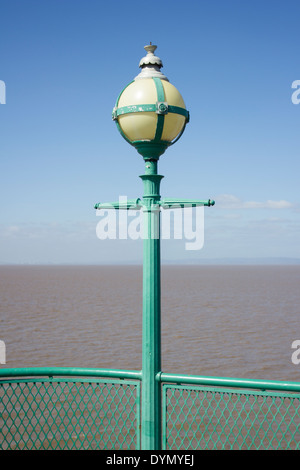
{"type": "Point", "coordinates": [69, 408]}
{"type": "Point", "coordinates": [224, 413]}
{"type": "Point", "coordinates": [74, 408]}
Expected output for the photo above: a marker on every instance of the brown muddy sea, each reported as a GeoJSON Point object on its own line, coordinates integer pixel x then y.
{"type": "Point", "coordinates": [232, 321]}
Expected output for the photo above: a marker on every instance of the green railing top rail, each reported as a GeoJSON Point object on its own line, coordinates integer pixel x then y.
{"type": "Point", "coordinates": [69, 372]}
{"type": "Point", "coordinates": [87, 408]}
{"type": "Point", "coordinates": [230, 382]}
{"type": "Point", "coordinates": [51, 408]}
{"type": "Point", "coordinates": [161, 377]}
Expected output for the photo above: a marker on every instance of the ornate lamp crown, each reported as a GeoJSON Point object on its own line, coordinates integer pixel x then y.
{"type": "Point", "coordinates": [150, 112]}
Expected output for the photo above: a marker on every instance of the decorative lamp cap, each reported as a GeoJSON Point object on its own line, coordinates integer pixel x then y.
{"type": "Point", "coordinates": [151, 65]}
{"type": "Point", "coordinates": [150, 58]}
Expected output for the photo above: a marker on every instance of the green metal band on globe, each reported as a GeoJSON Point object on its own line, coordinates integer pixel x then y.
{"type": "Point", "coordinates": [159, 108]}
{"type": "Point", "coordinates": [151, 149]}
{"type": "Point", "coordinates": [160, 116]}
{"type": "Point", "coordinates": [136, 108]}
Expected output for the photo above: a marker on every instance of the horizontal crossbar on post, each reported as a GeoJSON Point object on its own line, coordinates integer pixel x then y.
{"type": "Point", "coordinates": [129, 204]}
{"type": "Point", "coordinates": [172, 203]}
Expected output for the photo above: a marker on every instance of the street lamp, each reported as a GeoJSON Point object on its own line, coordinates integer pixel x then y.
{"type": "Point", "coordinates": [151, 115]}
{"type": "Point", "coordinates": [150, 112]}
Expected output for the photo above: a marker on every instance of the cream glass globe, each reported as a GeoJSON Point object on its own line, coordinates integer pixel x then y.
{"type": "Point", "coordinates": [138, 126]}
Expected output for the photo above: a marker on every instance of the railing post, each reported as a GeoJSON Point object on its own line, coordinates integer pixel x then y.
{"type": "Point", "coordinates": [151, 355]}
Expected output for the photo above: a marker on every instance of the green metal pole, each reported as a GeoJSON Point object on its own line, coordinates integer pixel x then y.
{"type": "Point", "coordinates": [151, 354]}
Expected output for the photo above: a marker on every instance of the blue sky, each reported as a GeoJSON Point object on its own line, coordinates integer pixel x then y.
{"type": "Point", "coordinates": [64, 63]}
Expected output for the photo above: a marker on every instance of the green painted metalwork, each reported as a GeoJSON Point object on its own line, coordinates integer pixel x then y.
{"type": "Point", "coordinates": [230, 382]}
{"type": "Point", "coordinates": [114, 116]}
{"type": "Point", "coordinates": [162, 108]}
{"type": "Point", "coordinates": [218, 417]}
{"type": "Point", "coordinates": [78, 408]}
{"type": "Point", "coordinates": [118, 99]}
{"type": "Point", "coordinates": [136, 204]}
{"type": "Point", "coordinates": [177, 110]}
{"type": "Point", "coordinates": [151, 149]}
{"type": "Point", "coordinates": [69, 371]}
{"type": "Point", "coordinates": [151, 353]}
{"type": "Point", "coordinates": [133, 204]}
{"type": "Point", "coordinates": [141, 108]}
{"type": "Point", "coordinates": [159, 108]}
{"type": "Point", "coordinates": [61, 408]}
{"type": "Point", "coordinates": [171, 203]}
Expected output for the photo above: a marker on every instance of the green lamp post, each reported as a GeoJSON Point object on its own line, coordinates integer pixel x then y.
{"type": "Point", "coordinates": [151, 115]}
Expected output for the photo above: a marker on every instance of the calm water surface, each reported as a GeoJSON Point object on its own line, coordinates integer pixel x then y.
{"type": "Point", "coordinates": [234, 321]}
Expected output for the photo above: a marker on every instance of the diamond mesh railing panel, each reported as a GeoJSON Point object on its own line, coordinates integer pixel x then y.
{"type": "Point", "coordinates": [217, 418]}
{"type": "Point", "coordinates": [54, 412]}
{"type": "Point", "coordinates": [69, 414]}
